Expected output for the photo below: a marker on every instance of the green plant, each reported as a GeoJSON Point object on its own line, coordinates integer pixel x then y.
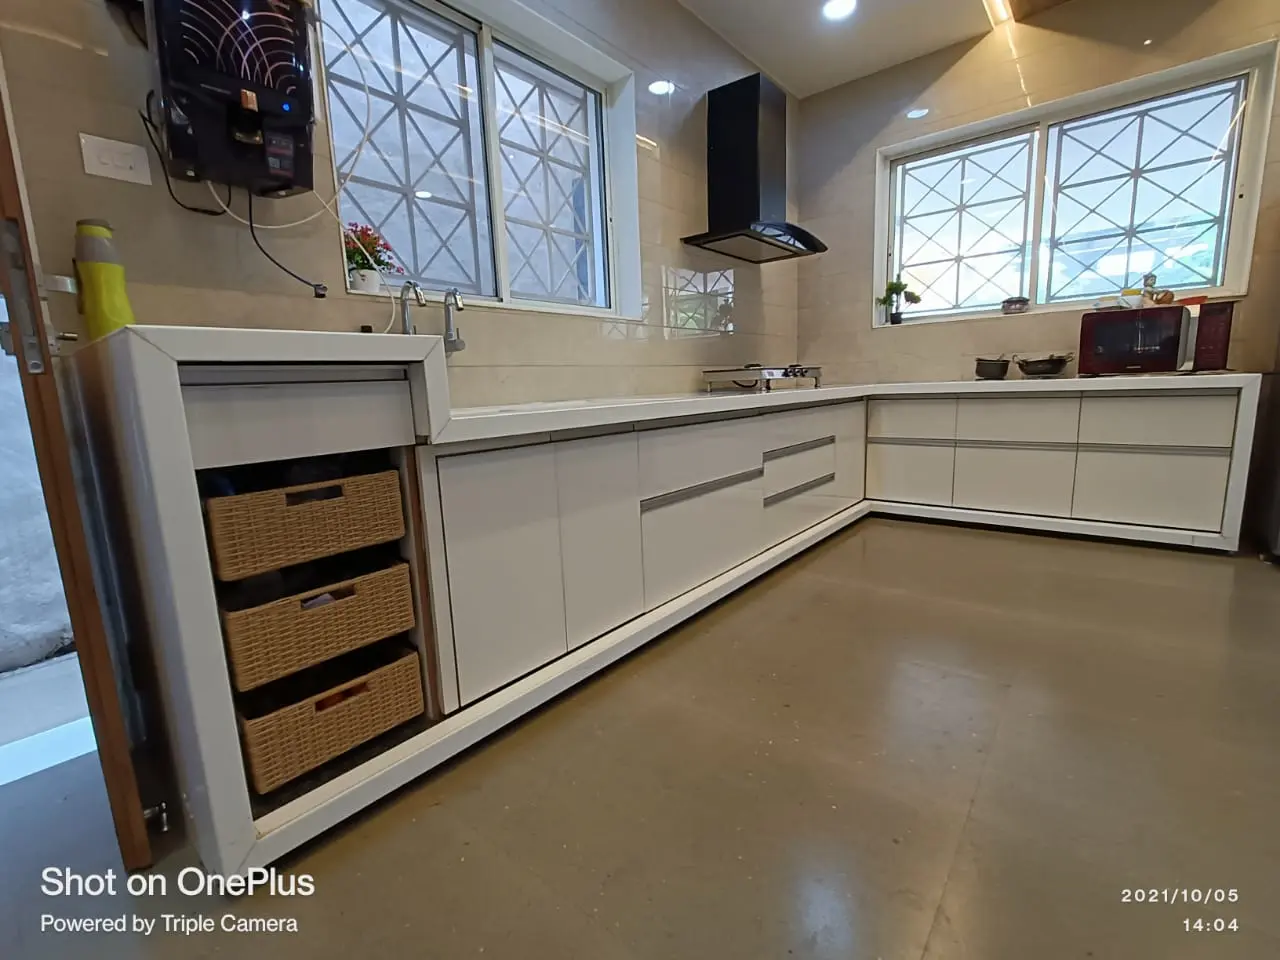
{"type": "Point", "coordinates": [366, 250]}
{"type": "Point", "coordinates": [895, 291]}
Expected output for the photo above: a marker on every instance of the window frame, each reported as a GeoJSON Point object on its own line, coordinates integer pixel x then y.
{"type": "Point", "coordinates": [1258, 63]}
{"type": "Point", "coordinates": [511, 23]}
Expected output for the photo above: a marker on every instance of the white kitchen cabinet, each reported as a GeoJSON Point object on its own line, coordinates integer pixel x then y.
{"type": "Point", "coordinates": [932, 418]}
{"type": "Point", "coordinates": [792, 427]}
{"type": "Point", "coordinates": [911, 472]}
{"type": "Point", "coordinates": [1197, 420]}
{"type": "Point", "coordinates": [691, 538]}
{"type": "Point", "coordinates": [1156, 488]}
{"type": "Point", "coordinates": [502, 542]}
{"type": "Point", "coordinates": [599, 494]}
{"type": "Point", "coordinates": [1015, 479]}
{"type": "Point", "coordinates": [1024, 419]}
{"type": "Point", "coordinates": [851, 450]}
{"type": "Point", "coordinates": [676, 458]}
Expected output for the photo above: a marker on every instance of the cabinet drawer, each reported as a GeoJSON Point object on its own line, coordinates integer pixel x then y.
{"type": "Point", "coordinates": [1162, 421]}
{"type": "Point", "coordinates": [1013, 479]}
{"type": "Point", "coordinates": [793, 469]}
{"type": "Point", "coordinates": [689, 541]}
{"type": "Point", "coordinates": [910, 472]}
{"type": "Point", "coordinates": [792, 427]}
{"type": "Point", "coordinates": [793, 511]}
{"type": "Point", "coordinates": [1155, 489]}
{"type": "Point", "coordinates": [933, 419]}
{"type": "Point", "coordinates": [252, 533]}
{"type": "Point", "coordinates": [1037, 419]}
{"type": "Point", "coordinates": [851, 450]}
{"type": "Point", "coordinates": [675, 458]}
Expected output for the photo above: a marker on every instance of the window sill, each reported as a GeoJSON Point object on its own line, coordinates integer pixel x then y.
{"type": "Point", "coordinates": [524, 306]}
{"type": "Point", "coordinates": [1040, 310]}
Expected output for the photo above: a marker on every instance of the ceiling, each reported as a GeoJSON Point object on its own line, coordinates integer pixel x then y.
{"type": "Point", "coordinates": [792, 43]}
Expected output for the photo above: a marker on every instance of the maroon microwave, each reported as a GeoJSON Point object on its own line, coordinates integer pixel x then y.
{"type": "Point", "coordinates": [1168, 339]}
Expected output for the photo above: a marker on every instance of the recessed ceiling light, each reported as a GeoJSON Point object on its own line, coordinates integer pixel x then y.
{"type": "Point", "coordinates": [1146, 43]}
{"type": "Point", "coordinates": [917, 113]}
{"type": "Point", "coordinates": [423, 194]}
{"type": "Point", "coordinates": [838, 9]}
{"type": "Point", "coordinates": [662, 88]}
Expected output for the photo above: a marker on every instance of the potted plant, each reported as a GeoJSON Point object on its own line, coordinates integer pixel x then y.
{"type": "Point", "coordinates": [368, 257]}
{"type": "Point", "coordinates": [895, 291]}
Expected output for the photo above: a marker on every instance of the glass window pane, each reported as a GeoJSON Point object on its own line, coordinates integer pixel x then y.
{"type": "Point", "coordinates": [420, 180]}
{"type": "Point", "coordinates": [552, 182]}
{"type": "Point", "coordinates": [1142, 189]}
{"type": "Point", "coordinates": [960, 225]}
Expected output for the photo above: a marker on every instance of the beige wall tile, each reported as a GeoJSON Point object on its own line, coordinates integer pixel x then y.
{"type": "Point", "coordinates": [73, 67]}
{"type": "Point", "coordinates": [1075, 47]}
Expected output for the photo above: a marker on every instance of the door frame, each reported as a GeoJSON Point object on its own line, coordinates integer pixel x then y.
{"type": "Point", "coordinates": [29, 328]}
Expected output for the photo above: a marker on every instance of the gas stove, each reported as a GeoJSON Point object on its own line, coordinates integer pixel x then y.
{"type": "Point", "coordinates": [760, 378]}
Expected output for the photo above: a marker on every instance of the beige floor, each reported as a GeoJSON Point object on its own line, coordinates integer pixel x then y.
{"type": "Point", "coordinates": [915, 742]}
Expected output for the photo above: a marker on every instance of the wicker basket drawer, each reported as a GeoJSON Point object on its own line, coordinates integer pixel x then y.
{"type": "Point", "coordinates": [288, 742]}
{"type": "Point", "coordinates": [276, 639]}
{"type": "Point", "coordinates": [253, 533]}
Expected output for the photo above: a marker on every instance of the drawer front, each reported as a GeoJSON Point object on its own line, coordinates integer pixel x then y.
{"type": "Point", "coordinates": [930, 419]}
{"type": "Point", "coordinates": [237, 423]}
{"type": "Point", "coordinates": [1012, 479]}
{"type": "Point", "coordinates": [796, 510]}
{"type": "Point", "coordinates": [793, 469]}
{"type": "Point", "coordinates": [675, 458]}
{"type": "Point", "coordinates": [851, 450]}
{"type": "Point", "coordinates": [688, 542]}
{"type": "Point", "coordinates": [1186, 491]}
{"type": "Point", "coordinates": [910, 473]}
{"type": "Point", "coordinates": [255, 533]}
{"type": "Point", "coordinates": [792, 427]}
{"type": "Point", "coordinates": [1163, 421]}
{"type": "Point", "coordinates": [1036, 420]}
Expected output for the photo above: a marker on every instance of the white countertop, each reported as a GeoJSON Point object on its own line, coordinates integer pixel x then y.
{"type": "Point", "coordinates": [514, 420]}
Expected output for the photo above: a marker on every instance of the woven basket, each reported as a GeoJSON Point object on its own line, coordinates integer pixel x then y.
{"type": "Point", "coordinates": [256, 532]}
{"type": "Point", "coordinates": [289, 742]}
{"type": "Point", "coordinates": [279, 638]}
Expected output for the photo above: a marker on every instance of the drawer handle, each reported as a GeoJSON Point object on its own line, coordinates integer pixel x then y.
{"type": "Point", "coordinates": [342, 696]}
{"type": "Point", "coordinates": [333, 491]}
{"type": "Point", "coordinates": [335, 595]}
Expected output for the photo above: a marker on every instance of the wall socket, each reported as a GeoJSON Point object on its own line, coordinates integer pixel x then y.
{"type": "Point", "coordinates": [115, 159]}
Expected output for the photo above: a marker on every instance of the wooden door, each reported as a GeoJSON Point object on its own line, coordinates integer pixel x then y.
{"type": "Point", "coordinates": [18, 284]}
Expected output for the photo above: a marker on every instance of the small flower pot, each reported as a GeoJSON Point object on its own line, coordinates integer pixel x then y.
{"type": "Point", "coordinates": [895, 317]}
{"type": "Point", "coordinates": [366, 281]}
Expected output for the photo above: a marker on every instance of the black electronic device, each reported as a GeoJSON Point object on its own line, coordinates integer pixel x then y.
{"type": "Point", "coordinates": [235, 92]}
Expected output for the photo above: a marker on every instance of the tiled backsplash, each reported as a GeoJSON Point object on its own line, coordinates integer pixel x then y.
{"type": "Point", "coordinates": [72, 66]}
{"type": "Point", "coordinates": [1070, 49]}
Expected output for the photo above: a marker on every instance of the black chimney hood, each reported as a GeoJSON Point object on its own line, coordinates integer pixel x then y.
{"type": "Point", "coordinates": [747, 176]}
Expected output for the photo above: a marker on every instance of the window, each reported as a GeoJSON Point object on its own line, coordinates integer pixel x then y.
{"type": "Point", "coordinates": [484, 168]}
{"type": "Point", "coordinates": [962, 227]}
{"type": "Point", "coordinates": [1164, 184]}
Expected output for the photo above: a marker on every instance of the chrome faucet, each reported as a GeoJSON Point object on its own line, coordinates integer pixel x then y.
{"type": "Point", "coordinates": [406, 326]}
{"type": "Point", "coordinates": [453, 342]}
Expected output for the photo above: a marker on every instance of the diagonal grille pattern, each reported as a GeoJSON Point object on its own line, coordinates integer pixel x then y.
{"type": "Point", "coordinates": [1142, 189]}
{"type": "Point", "coordinates": [960, 230]}
{"type": "Point", "coordinates": [420, 180]}
{"type": "Point", "coordinates": [552, 182]}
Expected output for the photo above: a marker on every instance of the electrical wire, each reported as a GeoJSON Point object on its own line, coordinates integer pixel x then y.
{"type": "Point", "coordinates": [319, 289]}
{"type": "Point", "coordinates": [149, 126]}
{"type": "Point", "coordinates": [326, 205]}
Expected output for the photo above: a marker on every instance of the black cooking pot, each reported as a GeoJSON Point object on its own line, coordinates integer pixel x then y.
{"type": "Point", "coordinates": [1050, 366]}
{"type": "Point", "coordinates": [991, 369]}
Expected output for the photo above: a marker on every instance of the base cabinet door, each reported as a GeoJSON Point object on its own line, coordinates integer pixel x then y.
{"type": "Point", "coordinates": [1156, 488]}
{"type": "Point", "coordinates": [911, 471]}
{"type": "Point", "coordinates": [599, 488]}
{"type": "Point", "coordinates": [1015, 479]}
{"type": "Point", "coordinates": [502, 543]}
{"type": "Point", "coordinates": [691, 540]}
{"type": "Point", "coordinates": [851, 450]}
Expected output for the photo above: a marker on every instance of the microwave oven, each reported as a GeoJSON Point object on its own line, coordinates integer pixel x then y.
{"type": "Point", "coordinates": [1172, 339]}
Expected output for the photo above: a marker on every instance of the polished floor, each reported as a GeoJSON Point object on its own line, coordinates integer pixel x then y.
{"type": "Point", "coordinates": [913, 743]}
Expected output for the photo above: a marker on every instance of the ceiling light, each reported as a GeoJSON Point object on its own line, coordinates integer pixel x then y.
{"type": "Point", "coordinates": [917, 112]}
{"type": "Point", "coordinates": [662, 88]}
{"type": "Point", "coordinates": [997, 11]}
{"type": "Point", "coordinates": [1146, 43]}
{"type": "Point", "coordinates": [838, 9]}
{"type": "Point", "coordinates": [423, 194]}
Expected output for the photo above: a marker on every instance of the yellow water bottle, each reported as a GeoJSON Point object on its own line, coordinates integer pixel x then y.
{"type": "Point", "coordinates": [102, 298]}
